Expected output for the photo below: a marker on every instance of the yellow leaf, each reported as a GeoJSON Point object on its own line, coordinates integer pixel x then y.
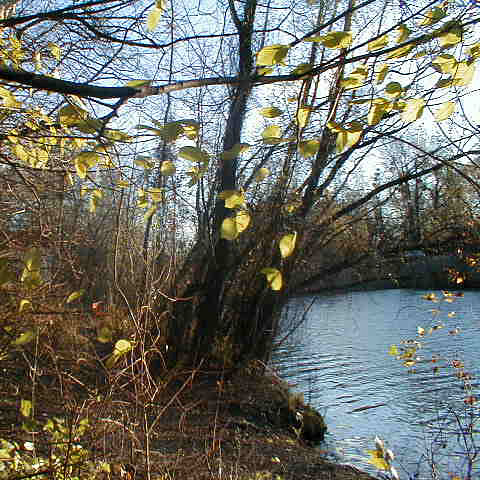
{"type": "Point", "coordinates": [403, 33]}
{"type": "Point", "coordinates": [333, 39]}
{"type": "Point", "coordinates": [75, 295]}
{"type": "Point", "coordinates": [347, 137]}
{"type": "Point", "coordinates": [139, 83]}
{"type": "Point", "coordinates": [194, 154]}
{"type": "Point", "coordinates": [413, 110]}
{"type": "Point", "coordinates": [272, 55]}
{"type": "Point", "coordinates": [274, 278]}
{"type": "Point", "coordinates": [474, 50]}
{"type": "Point", "coordinates": [233, 226]}
{"type": "Point", "coordinates": [170, 131]}
{"type": "Point", "coordinates": [55, 51]}
{"type": "Point", "coordinates": [153, 18]}
{"type": "Point", "coordinates": [393, 90]}
{"type": "Point", "coordinates": [156, 194]}
{"type": "Point", "coordinates": [450, 35]}
{"type": "Point", "coordinates": [71, 115]}
{"type": "Point", "coordinates": [382, 73]}
{"type": "Point", "coordinates": [270, 112]}
{"type": "Point", "coordinates": [167, 168]}
{"type": "Point", "coordinates": [122, 347]}
{"type": "Point", "coordinates": [233, 198]}
{"type": "Point", "coordinates": [377, 460]}
{"type": "Point", "coordinates": [303, 114]}
{"type": "Point", "coordinates": [445, 111]}
{"type": "Point", "coordinates": [463, 74]}
{"type": "Point", "coordinates": [433, 16]}
{"type": "Point", "coordinates": [149, 212]}
{"type": "Point", "coordinates": [393, 350]}
{"type": "Point", "coordinates": [308, 148]}
{"type": "Point", "coordinates": [24, 304]}
{"type": "Point", "coordinates": [444, 63]}
{"type": "Point", "coordinates": [25, 408]}
{"type": "Point", "coordinates": [287, 244]}
{"type": "Point", "coordinates": [377, 111]}
{"type": "Point", "coordinates": [356, 79]}
{"type": "Point", "coordinates": [24, 338]}
{"type": "Point", "coordinates": [301, 69]}
{"type": "Point", "coordinates": [144, 162]}
{"type": "Point", "coordinates": [379, 43]}
{"type": "Point", "coordinates": [401, 52]}
{"type": "Point", "coordinates": [271, 134]}
{"type": "Point", "coordinates": [235, 151]}
{"type": "Point", "coordinates": [262, 174]}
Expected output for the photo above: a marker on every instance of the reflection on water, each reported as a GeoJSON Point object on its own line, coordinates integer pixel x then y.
{"type": "Point", "coordinates": [339, 359]}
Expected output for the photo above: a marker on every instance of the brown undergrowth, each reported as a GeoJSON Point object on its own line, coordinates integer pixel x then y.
{"type": "Point", "coordinates": [64, 416]}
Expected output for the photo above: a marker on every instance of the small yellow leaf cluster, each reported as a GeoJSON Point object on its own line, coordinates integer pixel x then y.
{"type": "Point", "coordinates": [347, 136]}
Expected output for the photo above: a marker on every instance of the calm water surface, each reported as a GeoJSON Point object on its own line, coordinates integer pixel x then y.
{"type": "Point", "coordinates": [339, 359]}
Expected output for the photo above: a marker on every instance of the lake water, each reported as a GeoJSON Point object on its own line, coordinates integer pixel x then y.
{"type": "Point", "coordinates": [339, 358]}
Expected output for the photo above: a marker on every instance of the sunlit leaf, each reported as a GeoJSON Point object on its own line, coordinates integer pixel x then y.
{"type": "Point", "coordinates": [444, 63]}
{"type": "Point", "coordinates": [149, 213]}
{"type": "Point", "coordinates": [450, 34]}
{"type": "Point", "coordinates": [262, 174]}
{"type": "Point", "coordinates": [287, 244]}
{"type": "Point", "coordinates": [303, 114]}
{"type": "Point", "coordinates": [138, 83]}
{"type": "Point", "coordinates": [474, 50]}
{"type": "Point", "coordinates": [445, 111]}
{"type": "Point", "coordinates": [379, 43]}
{"type": "Point", "coordinates": [270, 112]}
{"type": "Point", "coordinates": [413, 110]}
{"type": "Point", "coordinates": [26, 407]}
{"type": "Point", "coordinates": [463, 74]}
{"type": "Point", "coordinates": [274, 278]}
{"type": "Point", "coordinates": [167, 168]}
{"type": "Point", "coordinates": [356, 79]}
{"type": "Point", "coordinates": [393, 350]}
{"type": "Point", "coordinates": [194, 154]}
{"type": "Point", "coordinates": [433, 16]}
{"type": "Point", "coordinates": [24, 338]}
{"type": "Point", "coordinates": [393, 89]}
{"type": "Point", "coordinates": [233, 198]}
{"type": "Point", "coordinates": [153, 18]}
{"type": "Point", "coordinates": [170, 131]}
{"type": "Point", "coordinates": [233, 226]}
{"type": "Point", "coordinates": [308, 148]}
{"type": "Point", "coordinates": [75, 295]}
{"type": "Point", "coordinates": [71, 115]}
{"type": "Point", "coordinates": [301, 69]}
{"type": "Point", "coordinates": [155, 194]}
{"type": "Point", "coordinates": [403, 33]}
{"type": "Point", "coordinates": [377, 110]}
{"type": "Point", "coordinates": [347, 138]}
{"type": "Point", "coordinates": [333, 39]}
{"type": "Point", "coordinates": [235, 151]}
{"type": "Point", "coordinates": [122, 347]}
{"type": "Point", "coordinates": [144, 162]}
{"type": "Point", "coordinates": [271, 134]}
{"type": "Point", "coordinates": [382, 73]}
{"type": "Point", "coordinates": [24, 304]}
{"type": "Point", "coordinates": [272, 55]}
{"type": "Point", "coordinates": [55, 51]}
{"type": "Point", "coordinates": [376, 459]}
{"type": "Point", "coordinates": [401, 52]}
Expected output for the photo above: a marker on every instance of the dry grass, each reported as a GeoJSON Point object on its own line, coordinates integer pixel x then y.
{"type": "Point", "coordinates": [185, 425]}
